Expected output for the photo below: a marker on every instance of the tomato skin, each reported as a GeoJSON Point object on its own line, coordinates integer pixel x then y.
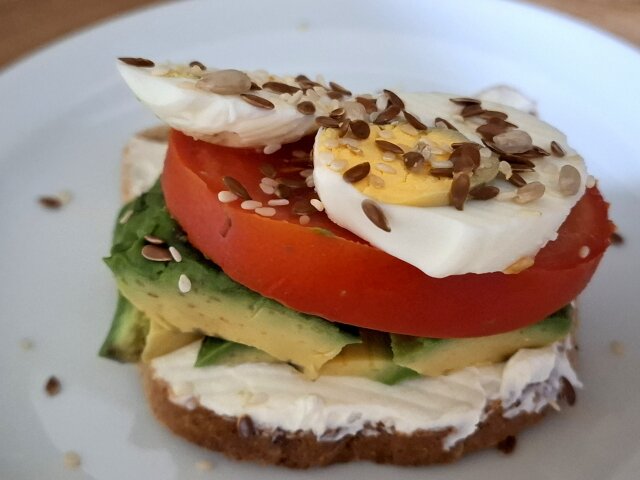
{"type": "Point", "coordinates": [340, 278]}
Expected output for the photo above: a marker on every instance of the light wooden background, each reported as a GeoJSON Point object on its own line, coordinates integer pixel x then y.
{"type": "Point", "coordinates": [29, 24]}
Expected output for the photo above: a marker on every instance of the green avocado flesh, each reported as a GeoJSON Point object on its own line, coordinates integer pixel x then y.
{"type": "Point", "coordinates": [434, 356]}
{"type": "Point", "coordinates": [216, 305]}
{"type": "Point", "coordinates": [237, 325]}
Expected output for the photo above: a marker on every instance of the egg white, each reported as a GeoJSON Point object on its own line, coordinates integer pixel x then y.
{"type": "Point", "coordinates": [221, 119]}
{"type": "Point", "coordinates": [487, 236]}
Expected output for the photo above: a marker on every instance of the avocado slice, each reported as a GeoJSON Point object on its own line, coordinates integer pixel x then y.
{"type": "Point", "coordinates": [435, 356]}
{"type": "Point", "coordinates": [126, 338]}
{"type": "Point", "coordinates": [370, 359]}
{"type": "Point", "coordinates": [216, 305]}
{"type": "Point", "coordinates": [216, 351]}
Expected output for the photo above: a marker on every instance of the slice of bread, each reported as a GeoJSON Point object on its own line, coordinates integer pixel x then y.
{"type": "Point", "coordinates": [239, 438]}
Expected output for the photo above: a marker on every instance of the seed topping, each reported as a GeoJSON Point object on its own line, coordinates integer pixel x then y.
{"type": "Point", "coordinates": [513, 141]}
{"type": "Point", "coordinates": [137, 62]}
{"type": "Point", "coordinates": [413, 160]}
{"type": "Point", "coordinates": [394, 99]}
{"type": "Point", "coordinates": [184, 284]}
{"type": "Point", "coordinates": [557, 149]}
{"type": "Point", "coordinates": [569, 180]}
{"type": "Point", "coordinates": [369, 104]}
{"type": "Point", "coordinates": [198, 64]}
{"type": "Point", "coordinates": [390, 113]}
{"type": "Point", "coordinates": [375, 214]}
{"type": "Point", "coordinates": [245, 426]}
{"type": "Point", "coordinates": [280, 87]}
{"type": "Point", "coordinates": [459, 189]}
{"type": "Point", "coordinates": [257, 101]}
{"type": "Point", "coordinates": [484, 192]}
{"type": "Point", "coordinates": [443, 123]}
{"type": "Point", "coordinates": [339, 89]}
{"type": "Point", "coordinates": [568, 392]}
{"type": "Point", "coordinates": [508, 445]}
{"type": "Point", "coordinates": [414, 121]}
{"type": "Point", "coordinates": [156, 253]}
{"type": "Point", "coordinates": [306, 108]}
{"type": "Point", "coordinates": [360, 129]}
{"type": "Point", "coordinates": [53, 386]}
{"type": "Point", "coordinates": [225, 82]}
{"type": "Point", "coordinates": [357, 172]}
{"type": "Point", "coordinates": [236, 187]}
{"type": "Point", "coordinates": [327, 122]}
{"type": "Point", "coordinates": [529, 192]}
{"type": "Point", "coordinates": [175, 254]}
{"type": "Point", "coordinates": [465, 101]}
{"type": "Point", "coordinates": [386, 146]}
{"type": "Point", "coordinates": [153, 239]}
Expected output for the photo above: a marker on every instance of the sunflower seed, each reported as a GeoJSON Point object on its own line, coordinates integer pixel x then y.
{"type": "Point", "coordinates": [236, 187]}
{"type": "Point", "coordinates": [375, 214]}
{"type": "Point", "coordinates": [257, 101]}
{"type": "Point", "coordinates": [557, 149]}
{"type": "Point", "coordinates": [394, 99]}
{"type": "Point", "coordinates": [280, 87]}
{"type": "Point", "coordinates": [360, 129]}
{"type": "Point", "coordinates": [484, 192]}
{"type": "Point", "coordinates": [459, 190]}
{"type": "Point", "coordinates": [357, 172]}
{"type": "Point", "coordinates": [137, 62]}
{"type": "Point", "coordinates": [225, 82]}
{"type": "Point", "coordinates": [303, 207]}
{"type": "Point", "coordinates": [529, 193]}
{"type": "Point", "coordinates": [282, 191]}
{"type": "Point", "coordinates": [569, 180]}
{"type": "Point", "coordinates": [156, 253]}
{"type": "Point", "coordinates": [389, 147]}
{"type": "Point", "coordinates": [514, 141]}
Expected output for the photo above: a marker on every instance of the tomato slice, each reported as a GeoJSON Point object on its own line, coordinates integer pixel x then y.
{"type": "Point", "coordinates": [322, 269]}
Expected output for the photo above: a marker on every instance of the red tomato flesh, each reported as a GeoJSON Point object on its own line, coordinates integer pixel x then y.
{"type": "Point", "coordinates": [322, 269]}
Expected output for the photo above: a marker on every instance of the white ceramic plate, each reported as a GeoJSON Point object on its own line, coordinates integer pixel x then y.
{"type": "Point", "coordinates": [65, 116]}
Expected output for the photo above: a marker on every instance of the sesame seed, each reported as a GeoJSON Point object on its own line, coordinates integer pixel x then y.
{"type": "Point", "coordinates": [383, 167]}
{"type": "Point", "coordinates": [250, 204]}
{"type": "Point", "coordinates": [278, 202]}
{"type": "Point", "coordinates": [317, 204]}
{"type": "Point", "coordinates": [265, 211]}
{"type": "Point", "coordinates": [591, 181]}
{"type": "Point", "coordinates": [375, 181]}
{"type": "Point", "coordinates": [304, 219]}
{"type": "Point", "coordinates": [519, 266]}
{"type": "Point", "coordinates": [269, 181]}
{"type": "Point", "coordinates": [184, 284]}
{"type": "Point", "coordinates": [584, 251]}
{"type": "Point", "coordinates": [226, 197]}
{"type": "Point", "coordinates": [269, 149]}
{"type": "Point", "coordinates": [71, 460]}
{"type": "Point", "coordinates": [310, 182]}
{"type": "Point", "coordinates": [153, 239]}
{"type": "Point", "coordinates": [306, 173]}
{"type": "Point", "coordinates": [409, 129]}
{"type": "Point", "coordinates": [177, 256]}
{"type": "Point", "coordinates": [204, 465]}
{"type": "Point", "coordinates": [268, 189]}
{"type": "Point", "coordinates": [389, 157]}
{"type": "Point", "coordinates": [125, 217]}
{"type": "Point", "coordinates": [617, 348]}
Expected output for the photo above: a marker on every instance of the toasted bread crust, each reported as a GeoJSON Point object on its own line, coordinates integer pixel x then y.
{"type": "Point", "coordinates": [304, 450]}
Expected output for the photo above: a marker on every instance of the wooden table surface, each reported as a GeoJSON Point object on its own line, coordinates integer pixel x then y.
{"type": "Point", "coordinates": [28, 24]}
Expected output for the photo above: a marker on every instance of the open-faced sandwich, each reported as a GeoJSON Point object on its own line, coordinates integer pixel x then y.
{"type": "Point", "coordinates": [321, 277]}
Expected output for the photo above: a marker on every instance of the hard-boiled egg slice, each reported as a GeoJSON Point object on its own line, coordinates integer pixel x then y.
{"type": "Point", "coordinates": [221, 107]}
{"type": "Point", "coordinates": [500, 234]}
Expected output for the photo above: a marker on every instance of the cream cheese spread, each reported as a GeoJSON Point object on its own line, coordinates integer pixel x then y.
{"type": "Point", "coordinates": [276, 396]}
